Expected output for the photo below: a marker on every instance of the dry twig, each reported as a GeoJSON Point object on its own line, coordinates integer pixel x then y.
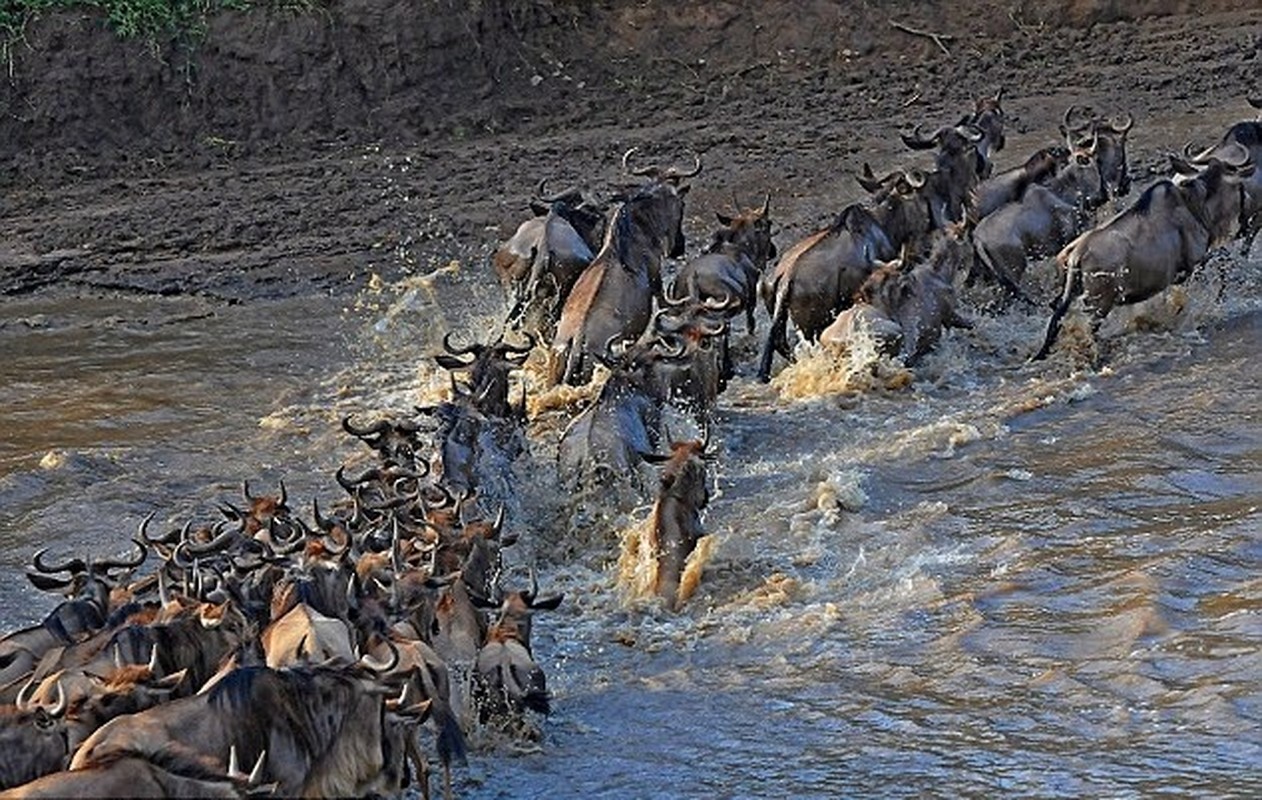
{"type": "Point", "coordinates": [938, 38]}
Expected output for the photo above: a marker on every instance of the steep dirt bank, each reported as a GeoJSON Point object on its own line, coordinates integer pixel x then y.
{"type": "Point", "coordinates": [383, 135]}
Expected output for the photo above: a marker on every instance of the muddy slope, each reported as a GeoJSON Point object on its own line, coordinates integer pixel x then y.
{"type": "Point", "coordinates": [379, 135]}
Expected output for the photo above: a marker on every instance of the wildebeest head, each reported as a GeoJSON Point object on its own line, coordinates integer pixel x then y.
{"type": "Point", "coordinates": [988, 117]}
{"type": "Point", "coordinates": [899, 204]}
{"type": "Point", "coordinates": [749, 230]}
{"type": "Point", "coordinates": [586, 215]}
{"type": "Point", "coordinates": [33, 739]}
{"type": "Point", "coordinates": [489, 367]}
{"type": "Point", "coordinates": [1107, 138]}
{"type": "Point", "coordinates": [665, 186]}
{"type": "Point", "coordinates": [395, 441]}
{"type": "Point", "coordinates": [1212, 191]}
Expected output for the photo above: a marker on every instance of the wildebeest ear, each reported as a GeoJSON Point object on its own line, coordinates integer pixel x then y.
{"type": "Point", "coordinates": [539, 209]}
{"type": "Point", "coordinates": [1182, 167]}
{"type": "Point", "coordinates": [683, 190]}
{"type": "Point", "coordinates": [723, 219]}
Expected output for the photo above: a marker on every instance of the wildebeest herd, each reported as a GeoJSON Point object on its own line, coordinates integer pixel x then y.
{"type": "Point", "coordinates": [271, 652]}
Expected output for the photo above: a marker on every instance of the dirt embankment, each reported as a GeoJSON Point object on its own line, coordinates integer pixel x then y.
{"type": "Point", "coordinates": [381, 125]}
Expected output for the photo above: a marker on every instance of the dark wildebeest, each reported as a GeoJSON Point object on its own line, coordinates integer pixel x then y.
{"type": "Point", "coordinates": [817, 277]}
{"type": "Point", "coordinates": [901, 205]}
{"type": "Point", "coordinates": [1043, 221]}
{"type": "Point", "coordinates": [730, 267]}
{"type": "Point", "coordinates": [538, 266]}
{"type": "Point", "coordinates": [706, 365]}
{"type": "Point", "coordinates": [1249, 136]}
{"type": "Point", "coordinates": [159, 775]}
{"type": "Point", "coordinates": [508, 679]}
{"type": "Point", "coordinates": [613, 298]}
{"type": "Point", "coordinates": [1154, 243]}
{"type": "Point", "coordinates": [920, 300]}
{"type": "Point", "coordinates": [33, 741]}
{"type": "Point", "coordinates": [1110, 145]}
{"type": "Point", "coordinates": [604, 441]}
{"type": "Point", "coordinates": [957, 167]}
{"type": "Point", "coordinates": [988, 117]}
{"type": "Point", "coordinates": [682, 496]}
{"type": "Point", "coordinates": [325, 731]}
{"type": "Point", "coordinates": [489, 368]}
{"type": "Point", "coordinates": [1009, 185]}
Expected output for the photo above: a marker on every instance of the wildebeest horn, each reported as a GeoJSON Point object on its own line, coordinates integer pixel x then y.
{"type": "Point", "coordinates": [220, 542]}
{"type": "Point", "coordinates": [153, 658]}
{"type": "Point", "coordinates": [75, 565]}
{"type": "Point", "coordinates": [22, 701]}
{"type": "Point", "coordinates": [565, 195]}
{"type": "Point", "coordinates": [915, 178]}
{"type": "Point", "coordinates": [651, 171]}
{"type": "Point", "coordinates": [1069, 112]}
{"type": "Point", "coordinates": [47, 583]}
{"type": "Point", "coordinates": [972, 133]}
{"type": "Point", "coordinates": [917, 141]}
{"type": "Point", "coordinates": [353, 484]}
{"type": "Point", "coordinates": [59, 707]}
{"type": "Point", "coordinates": [373, 665]}
{"type": "Point", "coordinates": [1256, 102]}
{"type": "Point", "coordinates": [1120, 125]}
{"type": "Point", "coordinates": [998, 95]}
{"type": "Point", "coordinates": [459, 351]}
{"type": "Point", "coordinates": [674, 174]}
{"type": "Point", "coordinates": [122, 563]}
{"type": "Point", "coordinates": [234, 768]}
{"type": "Point", "coordinates": [1241, 156]}
{"type": "Point", "coordinates": [245, 491]}
{"type": "Point", "coordinates": [867, 178]}
{"type": "Point", "coordinates": [531, 341]}
{"type": "Point", "coordinates": [375, 429]}
{"type": "Point", "coordinates": [323, 523]}
{"type": "Point", "coordinates": [766, 205]}
{"type": "Point", "coordinates": [169, 537]}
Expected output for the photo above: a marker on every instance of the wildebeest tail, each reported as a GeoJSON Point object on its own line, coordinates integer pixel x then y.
{"type": "Point", "coordinates": [450, 745]}
{"type": "Point", "coordinates": [1069, 259]}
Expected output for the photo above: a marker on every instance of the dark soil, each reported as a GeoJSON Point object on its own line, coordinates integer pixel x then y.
{"type": "Point", "coordinates": [287, 153]}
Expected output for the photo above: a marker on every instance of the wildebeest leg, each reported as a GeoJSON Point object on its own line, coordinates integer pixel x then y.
{"type": "Point", "coordinates": [1003, 277]}
{"type": "Point", "coordinates": [420, 765]}
{"type": "Point", "coordinates": [954, 319]}
{"type": "Point", "coordinates": [1073, 286]}
{"type": "Point", "coordinates": [776, 340]}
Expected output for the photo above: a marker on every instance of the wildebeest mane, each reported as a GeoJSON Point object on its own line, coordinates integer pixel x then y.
{"type": "Point", "coordinates": [306, 706]}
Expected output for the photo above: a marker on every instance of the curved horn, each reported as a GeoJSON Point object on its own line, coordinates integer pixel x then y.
{"type": "Point", "coordinates": [972, 133]}
{"type": "Point", "coordinates": [75, 565]}
{"type": "Point", "coordinates": [122, 563]}
{"type": "Point", "coordinates": [283, 496]}
{"type": "Point", "coordinates": [675, 174]}
{"type": "Point", "coordinates": [562, 196]}
{"type": "Point", "coordinates": [915, 178]}
{"type": "Point", "coordinates": [373, 665]}
{"type": "Point", "coordinates": [59, 707]}
{"type": "Point", "coordinates": [47, 583]}
{"type": "Point", "coordinates": [867, 178]}
{"type": "Point", "coordinates": [323, 523]}
{"type": "Point", "coordinates": [766, 205]}
{"type": "Point", "coordinates": [917, 141]}
{"type": "Point", "coordinates": [375, 429]}
{"type": "Point", "coordinates": [1069, 126]}
{"type": "Point", "coordinates": [22, 701]}
{"type": "Point", "coordinates": [1120, 125]}
{"type": "Point", "coordinates": [531, 341]}
{"type": "Point", "coordinates": [153, 659]}
{"type": "Point", "coordinates": [215, 545]}
{"type": "Point", "coordinates": [472, 349]}
{"type": "Point", "coordinates": [650, 171]}
{"type": "Point", "coordinates": [245, 492]}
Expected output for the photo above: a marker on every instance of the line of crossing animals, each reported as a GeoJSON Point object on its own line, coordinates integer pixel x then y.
{"type": "Point", "coordinates": [264, 654]}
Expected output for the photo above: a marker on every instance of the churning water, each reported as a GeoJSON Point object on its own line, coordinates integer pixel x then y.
{"type": "Point", "coordinates": [1000, 579]}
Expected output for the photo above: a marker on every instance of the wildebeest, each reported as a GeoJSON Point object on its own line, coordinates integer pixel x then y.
{"type": "Point", "coordinates": [325, 731]}
{"type": "Point", "coordinates": [732, 263]}
{"type": "Point", "coordinates": [817, 277]}
{"type": "Point", "coordinates": [613, 297]}
{"type": "Point", "coordinates": [1009, 186]}
{"type": "Point", "coordinates": [604, 441]}
{"type": "Point", "coordinates": [1044, 220]}
{"type": "Point", "coordinates": [988, 117]}
{"type": "Point", "coordinates": [489, 367]}
{"type": "Point", "coordinates": [1248, 135]}
{"type": "Point", "coordinates": [958, 166]}
{"type": "Point", "coordinates": [33, 741]}
{"type": "Point", "coordinates": [1156, 242]}
{"type": "Point", "coordinates": [920, 299]}
{"type": "Point", "coordinates": [158, 775]}
{"type": "Point", "coordinates": [538, 265]}
{"type": "Point", "coordinates": [508, 679]}
{"type": "Point", "coordinates": [683, 494]}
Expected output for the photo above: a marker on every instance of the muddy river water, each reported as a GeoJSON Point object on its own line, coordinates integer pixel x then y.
{"type": "Point", "coordinates": [1007, 579]}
